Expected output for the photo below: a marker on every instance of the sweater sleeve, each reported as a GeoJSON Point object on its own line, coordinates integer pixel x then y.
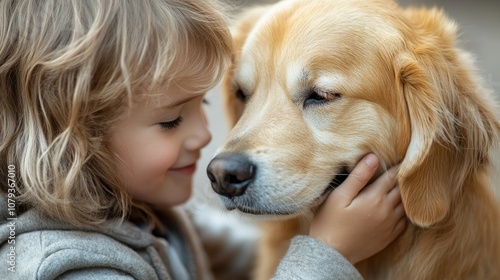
{"type": "Point", "coordinates": [65, 254]}
{"type": "Point", "coordinates": [308, 258]}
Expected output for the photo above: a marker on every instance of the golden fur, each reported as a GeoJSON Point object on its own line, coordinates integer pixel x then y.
{"type": "Point", "coordinates": [316, 85]}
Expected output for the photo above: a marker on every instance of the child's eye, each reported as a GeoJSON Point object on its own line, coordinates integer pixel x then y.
{"type": "Point", "coordinates": [205, 101]}
{"type": "Point", "coordinates": [172, 124]}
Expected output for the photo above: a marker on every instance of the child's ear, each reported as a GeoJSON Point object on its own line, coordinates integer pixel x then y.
{"type": "Point", "coordinates": [243, 25]}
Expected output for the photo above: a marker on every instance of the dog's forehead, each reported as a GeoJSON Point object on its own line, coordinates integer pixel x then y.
{"type": "Point", "coordinates": [334, 33]}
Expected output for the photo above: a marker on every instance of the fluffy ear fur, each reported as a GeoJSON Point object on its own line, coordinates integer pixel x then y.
{"type": "Point", "coordinates": [452, 128]}
{"type": "Point", "coordinates": [426, 198]}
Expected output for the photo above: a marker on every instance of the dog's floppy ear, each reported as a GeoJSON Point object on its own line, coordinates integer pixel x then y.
{"type": "Point", "coordinates": [423, 187]}
{"type": "Point", "coordinates": [423, 176]}
{"type": "Point", "coordinates": [232, 96]}
{"type": "Point", "coordinates": [452, 126]}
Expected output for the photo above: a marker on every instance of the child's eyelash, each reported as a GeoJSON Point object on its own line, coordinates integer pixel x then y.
{"type": "Point", "coordinates": [172, 124]}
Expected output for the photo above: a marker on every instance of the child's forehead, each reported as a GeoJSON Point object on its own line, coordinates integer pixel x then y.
{"type": "Point", "coordinates": [187, 83]}
{"type": "Point", "coordinates": [169, 96]}
{"type": "Point", "coordinates": [170, 101]}
{"type": "Point", "coordinates": [179, 85]}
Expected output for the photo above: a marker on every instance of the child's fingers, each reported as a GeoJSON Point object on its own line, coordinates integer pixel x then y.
{"type": "Point", "coordinates": [399, 211]}
{"type": "Point", "coordinates": [399, 227]}
{"type": "Point", "coordinates": [358, 178]}
{"type": "Point", "coordinates": [394, 196]}
{"type": "Point", "coordinates": [384, 183]}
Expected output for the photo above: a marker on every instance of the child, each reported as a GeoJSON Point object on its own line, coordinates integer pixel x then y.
{"type": "Point", "coordinates": [101, 127]}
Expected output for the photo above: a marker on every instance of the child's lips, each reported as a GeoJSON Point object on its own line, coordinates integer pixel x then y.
{"type": "Point", "coordinates": [188, 169]}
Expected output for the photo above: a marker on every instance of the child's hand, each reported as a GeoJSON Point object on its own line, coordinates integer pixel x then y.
{"type": "Point", "coordinates": [359, 222]}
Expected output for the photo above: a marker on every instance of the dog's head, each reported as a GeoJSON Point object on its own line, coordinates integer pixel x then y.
{"type": "Point", "coordinates": [316, 85]}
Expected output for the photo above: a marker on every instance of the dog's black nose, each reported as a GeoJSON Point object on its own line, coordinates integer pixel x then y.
{"type": "Point", "coordinates": [230, 174]}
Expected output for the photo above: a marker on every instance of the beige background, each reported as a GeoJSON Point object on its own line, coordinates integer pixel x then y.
{"type": "Point", "coordinates": [479, 23]}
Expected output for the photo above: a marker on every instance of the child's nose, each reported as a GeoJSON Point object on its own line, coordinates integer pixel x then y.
{"type": "Point", "coordinates": [200, 136]}
{"type": "Point", "coordinates": [205, 136]}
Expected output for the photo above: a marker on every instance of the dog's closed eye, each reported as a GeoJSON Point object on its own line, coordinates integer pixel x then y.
{"type": "Point", "coordinates": [319, 97]}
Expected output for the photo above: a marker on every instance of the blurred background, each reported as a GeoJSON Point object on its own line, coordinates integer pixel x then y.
{"type": "Point", "coordinates": [479, 29]}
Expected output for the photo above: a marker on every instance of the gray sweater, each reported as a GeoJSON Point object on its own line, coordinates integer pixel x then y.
{"type": "Point", "coordinates": [36, 247]}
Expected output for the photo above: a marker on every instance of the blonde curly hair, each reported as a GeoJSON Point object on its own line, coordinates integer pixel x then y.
{"type": "Point", "coordinates": [68, 70]}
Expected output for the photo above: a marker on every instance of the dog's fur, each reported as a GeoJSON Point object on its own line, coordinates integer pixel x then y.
{"type": "Point", "coordinates": [316, 85]}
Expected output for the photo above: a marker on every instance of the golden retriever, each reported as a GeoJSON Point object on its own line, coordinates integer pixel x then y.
{"type": "Point", "coordinates": [316, 85]}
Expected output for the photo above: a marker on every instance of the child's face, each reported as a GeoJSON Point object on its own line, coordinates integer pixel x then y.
{"type": "Point", "coordinates": [159, 142]}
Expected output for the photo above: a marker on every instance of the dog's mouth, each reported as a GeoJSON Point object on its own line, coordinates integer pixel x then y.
{"type": "Point", "coordinates": [246, 206]}
{"type": "Point", "coordinates": [260, 212]}
{"type": "Point", "coordinates": [336, 181]}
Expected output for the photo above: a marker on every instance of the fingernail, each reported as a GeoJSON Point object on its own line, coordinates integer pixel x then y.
{"type": "Point", "coordinates": [371, 160]}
